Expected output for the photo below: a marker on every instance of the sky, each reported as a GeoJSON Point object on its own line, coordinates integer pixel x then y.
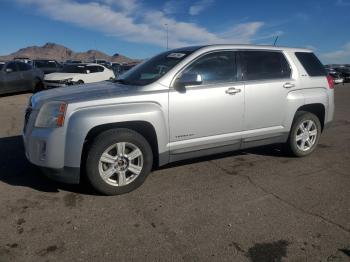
{"type": "Point", "coordinates": [137, 28]}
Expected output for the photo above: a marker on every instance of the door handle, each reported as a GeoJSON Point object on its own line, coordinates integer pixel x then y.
{"type": "Point", "coordinates": [232, 91]}
{"type": "Point", "coordinates": [288, 85]}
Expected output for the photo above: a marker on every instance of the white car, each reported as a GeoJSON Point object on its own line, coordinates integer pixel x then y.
{"type": "Point", "coordinates": [72, 74]}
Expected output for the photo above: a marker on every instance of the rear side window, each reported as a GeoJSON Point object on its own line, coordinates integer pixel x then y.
{"type": "Point", "coordinates": [24, 66]}
{"type": "Point", "coordinates": [95, 69]}
{"type": "Point", "coordinates": [264, 65]}
{"type": "Point", "coordinates": [13, 66]}
{"type": "Point", "coordinates": [312, 65]}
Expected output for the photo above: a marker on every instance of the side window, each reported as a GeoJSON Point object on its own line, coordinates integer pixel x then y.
{"type": "Point", "coordinates": [24, 67]}
{"type": "Point", "coordinates": [312, 65]}
{"type": "Point", "coordinates": [264, 65]}
{"type": "Point", "coordinates": [95, 69]}
{"type": "Point", "coordinates": [13, 66]}
{"type": "Point", "coordinates": [100, 69]}
{"type": "Point", "coordinates": [215, 67]}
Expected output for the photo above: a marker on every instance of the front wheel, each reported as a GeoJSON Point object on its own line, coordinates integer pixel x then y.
{"type": "Point", "coordinates": [118, 161]}
{"type": "Point", "coordinates": [305, 134]}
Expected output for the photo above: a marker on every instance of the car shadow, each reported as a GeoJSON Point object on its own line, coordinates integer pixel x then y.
{"type": "Point", "coordinates": [15, 170]}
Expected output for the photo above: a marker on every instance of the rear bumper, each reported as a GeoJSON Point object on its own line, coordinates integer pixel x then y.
{"type": "Point", "coordinates": [68, 175]}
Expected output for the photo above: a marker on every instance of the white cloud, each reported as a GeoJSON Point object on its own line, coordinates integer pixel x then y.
{"type": "Point", "coordinates": [199, 7]}
{"type": "Point", "coordinates": [337, 57]}
{"type": "Point", "coordinates": [172, 6]}
{"type": "Point", "coordinates": [143, 25]}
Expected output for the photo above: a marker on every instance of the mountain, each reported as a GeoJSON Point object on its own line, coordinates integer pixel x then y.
{"type": "Point", "coordinates": [62, 53]}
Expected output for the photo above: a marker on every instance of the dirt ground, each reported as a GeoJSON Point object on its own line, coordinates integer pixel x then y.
{"type": "Point", "coordinates": [255, 205]}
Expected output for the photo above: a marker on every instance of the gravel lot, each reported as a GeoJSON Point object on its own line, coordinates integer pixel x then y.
{"type": "Point", "coordinates": [256, 205]}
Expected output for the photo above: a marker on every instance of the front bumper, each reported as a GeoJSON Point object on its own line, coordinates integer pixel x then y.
{"type": "Point", "coordinates": [45, 148]}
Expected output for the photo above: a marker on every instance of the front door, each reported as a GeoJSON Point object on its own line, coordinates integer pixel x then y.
{"type": "Point", "coordinates": [209, 115]}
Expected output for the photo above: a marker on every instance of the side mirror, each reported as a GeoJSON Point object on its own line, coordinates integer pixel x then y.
{"type": "Point", "coordinates": [8, 70]}
{"type": "Point", "coordinates": [188, 79]}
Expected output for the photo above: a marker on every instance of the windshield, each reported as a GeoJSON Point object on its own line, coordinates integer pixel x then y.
{"type": "Point", "coordinates": [154, 68]}
{"type": "Point", "coordinates": [45, 64]}
{"type": "Point", "coordinates": [81, 69]}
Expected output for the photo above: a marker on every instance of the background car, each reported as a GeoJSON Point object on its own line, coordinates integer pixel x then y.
{"type": "Point", "coordinates": [344, 73]}
{"type": "Point", "coordinates": [72, 74]}
{"type": "Point", "coordinates": [337, 78]}
{"type": "Point", "coordinates": [45, 65]}
{"type": "Point", "coordinates": [18, 76]}
{"type": "Point", "coordinates": [73, 62]}
{"type": "Point", "coordinates": [120, 69]}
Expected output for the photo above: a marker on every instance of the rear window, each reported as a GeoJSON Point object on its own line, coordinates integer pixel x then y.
{"type": "Point", "coordinates": [264, 65]}
{"type": "Point", "coordinates": [312, 65]}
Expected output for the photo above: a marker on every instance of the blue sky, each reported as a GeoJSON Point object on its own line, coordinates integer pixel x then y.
{"type": "Point", "coordinates": [136, 28]}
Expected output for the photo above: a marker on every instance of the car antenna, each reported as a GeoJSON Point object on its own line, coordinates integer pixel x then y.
{"type": "Point", "coordinates": [275, 42]}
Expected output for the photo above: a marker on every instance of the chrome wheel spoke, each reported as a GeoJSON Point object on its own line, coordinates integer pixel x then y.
{"type": "Point", "coordinates": [302, 127]}
{"type": "Point", "coordinates": [134, 169]}
{"type": "Point", "coordinates": [108, 173]}
{"type": "Point", "coordinates": [299, 137]}
{"type": "Point", "coordinates": [120, 148]}
{"type": "Point", "coordinates": [313, 132]}
{"type": "Point", "coordinates": [121, 178]}
{"type": "Point", "coordinates": [309, 125]}
{"type": "Point", "coordinates": [134, 154]}
{"type": "Point", "coordinates": [107, 158]}
{"type": "Point", "coordinates": [302, 145]}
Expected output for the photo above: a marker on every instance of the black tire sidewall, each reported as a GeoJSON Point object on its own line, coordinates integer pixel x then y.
{"type": "Point", "coordinates": [301, 117]}
{"type": "Point", "coordinates": [105, 140]}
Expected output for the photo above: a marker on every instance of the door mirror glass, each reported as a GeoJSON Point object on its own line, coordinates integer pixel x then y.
{"type": "Point", "coordinates": [188, 79]}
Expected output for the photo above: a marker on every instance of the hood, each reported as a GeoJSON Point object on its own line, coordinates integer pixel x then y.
{"type": "Point", "coordinates": [60, 76]}
{"type": "Point", "coordinates": [81, 93]}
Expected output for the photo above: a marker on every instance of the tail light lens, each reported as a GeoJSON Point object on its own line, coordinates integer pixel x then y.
{"type": "Point", "coordinates": [330, 82]}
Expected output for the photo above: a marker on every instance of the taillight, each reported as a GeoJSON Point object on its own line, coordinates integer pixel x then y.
{"type": "Point", "coordinates": [330, 82]}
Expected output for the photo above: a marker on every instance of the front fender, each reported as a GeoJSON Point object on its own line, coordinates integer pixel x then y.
{"type": "Point", "coordinates": [83, 120]}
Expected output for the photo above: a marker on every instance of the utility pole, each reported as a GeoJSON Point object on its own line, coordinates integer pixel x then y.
{"type": "Point", "coordinates": [167, 36]}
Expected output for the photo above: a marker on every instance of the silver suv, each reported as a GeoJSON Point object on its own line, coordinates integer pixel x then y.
{"type": "Point", "coordinates": [180, 104]}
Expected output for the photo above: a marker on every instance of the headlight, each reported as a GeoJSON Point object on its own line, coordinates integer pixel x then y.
{"type": "Point", "coordinates": [51, 115]}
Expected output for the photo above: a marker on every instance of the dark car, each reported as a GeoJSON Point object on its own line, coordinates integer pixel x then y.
{"type": "Point", "coordinates": [47, 66]}
{"type": "Point", "coordinates": [344, 72]}
{"type": "Point", "coordinates": [17, 76]}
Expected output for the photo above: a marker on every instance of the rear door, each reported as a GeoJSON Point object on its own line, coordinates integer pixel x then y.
{"type": "Point", "coordinates": [12, 79]}
{"type": "Point", "coordinates": [27, 76]}
{"type": "Point", "coordinates": [267, 77]}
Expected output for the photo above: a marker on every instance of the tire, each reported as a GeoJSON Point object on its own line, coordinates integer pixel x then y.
{"type": "Point", "coordinates": [98, 167]}
{"type": "Point", "coordinates": [38, 86]}
{"type": "Point", "coordinates": [80, 82]}
{"type": "Point", "coordinates": [301, 143]}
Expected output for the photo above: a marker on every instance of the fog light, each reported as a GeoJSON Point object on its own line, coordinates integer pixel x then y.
{"type": "Point", "coordinates": [42, 150]}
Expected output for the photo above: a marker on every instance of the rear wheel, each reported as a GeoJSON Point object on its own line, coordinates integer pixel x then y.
{"type": "Point", "coordinates": [38, 86]}
{"type": "Point", "coordinates": [118, 161]}
{"type": "Point", "coordinates": [305, 134]}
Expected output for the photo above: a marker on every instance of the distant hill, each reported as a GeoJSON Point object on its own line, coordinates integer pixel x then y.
{"type": "Point", "coordinates": [62, 53]}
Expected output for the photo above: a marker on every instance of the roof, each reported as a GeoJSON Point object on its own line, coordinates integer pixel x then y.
{"type": "Point", "coordinates": [242, 46]}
